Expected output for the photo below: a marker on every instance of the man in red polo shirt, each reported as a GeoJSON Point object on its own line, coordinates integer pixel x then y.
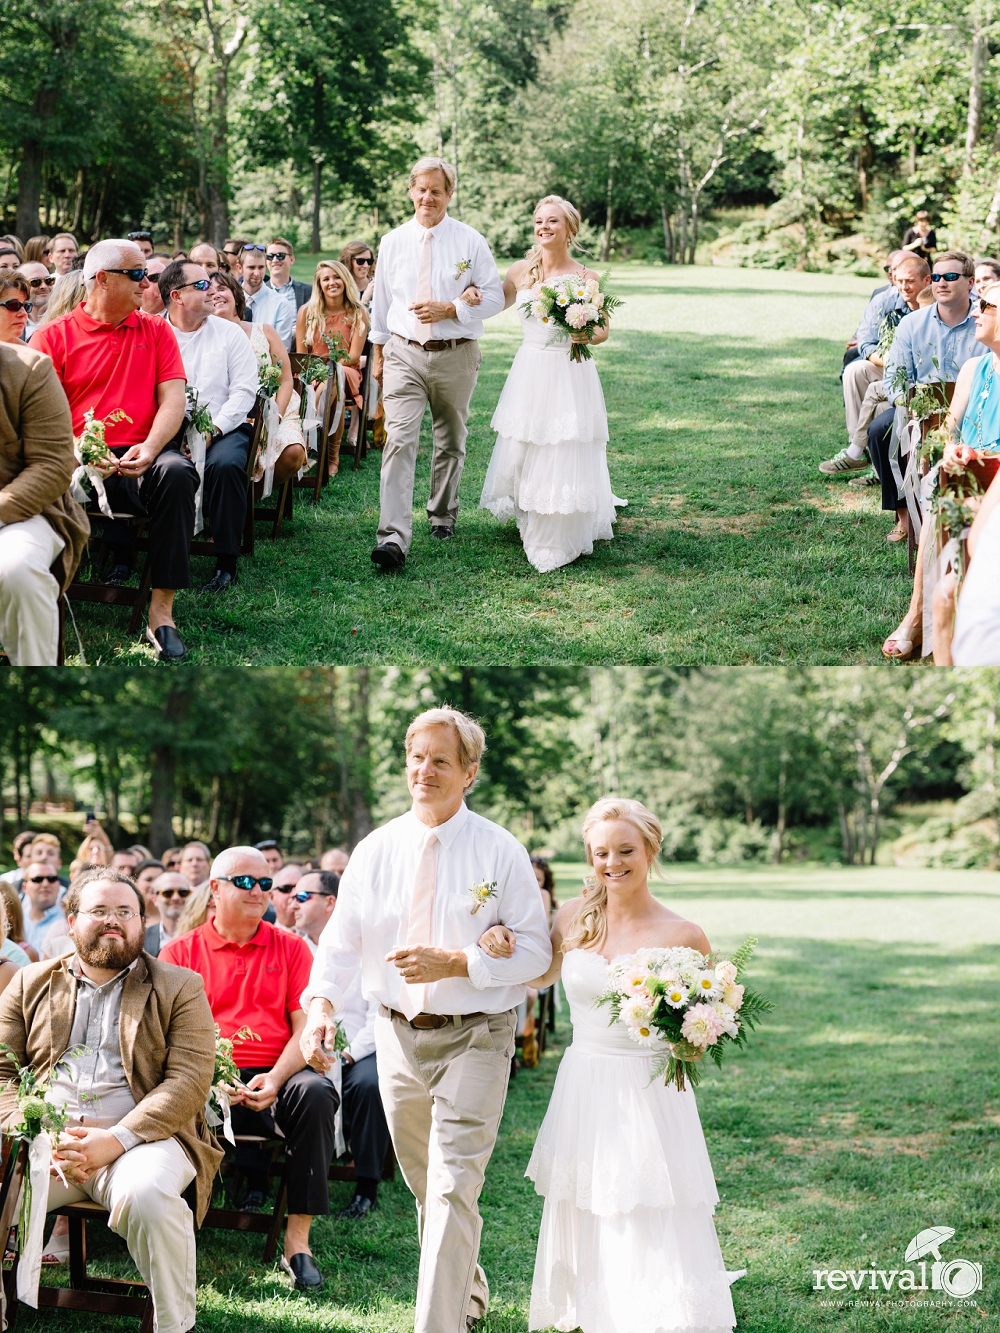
{"type": "Point", "coordinates": [112, 356]}
{"type": "Point", "coordinates": [254, 974]}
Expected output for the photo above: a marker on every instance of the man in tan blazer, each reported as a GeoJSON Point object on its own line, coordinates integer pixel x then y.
{"type": "Point", "coordinates": [42, 529]}
{"type": "Point", "coordinates": [141, 1045]}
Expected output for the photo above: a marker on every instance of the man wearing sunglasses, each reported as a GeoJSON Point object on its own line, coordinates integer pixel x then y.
{"type": "Point", "coordinates": [254, 974]}
{"type": "Point", "coordinates": [41, 282]}
{"type": "Point", "coordinates": [222, 370]}
{"type": "Point", "coordinates": [170, 893]}
{"type": "Point", "coordinates": [110, 356]}
{"type": "Point", "coordinates": [280, 257]}
{"type": "Point", "coordinates": [41, 889]}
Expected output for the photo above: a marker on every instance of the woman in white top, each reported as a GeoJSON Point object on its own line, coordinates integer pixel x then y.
{"type": "Point", "coordinates": [549, 468]}
{"type": "Point", "coordinates": [287, 451]}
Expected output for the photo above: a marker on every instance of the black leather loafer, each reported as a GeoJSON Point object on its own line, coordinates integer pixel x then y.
{"type": "Point", "coordinates": [442, 533]}
{"type": "Point", "coordinates": [167, 642]}
{"type": "Point", "coordinates": [302, 1269]}
{"type": "Point", "coordinates": [359, 1207]}
{"type": "Point", "coordinates": [253, 1202]}
{"type": "Point", "coordinates": [387, 555]}
{"type": "Point", "coordinates": [220, 581]}
{"type": "Point", "coordinates": [119, 576]}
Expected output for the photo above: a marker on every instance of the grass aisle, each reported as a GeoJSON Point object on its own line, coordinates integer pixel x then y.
{"type": "Point", "coordinates": [722, 396]}
{"type": "Point", "coordinates": [867, 1110]}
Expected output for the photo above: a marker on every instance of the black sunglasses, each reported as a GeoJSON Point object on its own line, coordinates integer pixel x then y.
{"type": "Point", "coordinates": [44, 879]}
{"type": "Point", "coordinates": [136, 274]}
{"type": "Point", "coordinates": [140, 236]}
{"type": "Point", "coordinates": [37, 282]}
{"type": "Point", "coordinates": [246, 882]}
{"type": "Point", "coordinates": [275, 259]}
{"type": "Point", "coordinates": [946, 277]}
{"type": "Point", "coordinates": [369, 260]}
{"type": "Point", "coordinates": [200, 284]}
{"type": "Point", "coordinates": [15, 306]}
{"type": "Point", "coordinates": [173, 893]}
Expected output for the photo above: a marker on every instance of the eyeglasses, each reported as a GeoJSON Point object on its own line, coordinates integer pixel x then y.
{"type": "Point", "coordinates": [246, 882]}
{"type": "Point", "coordinates": [304, 897]}
{"type": "Point", "coordinates": [140, 236]}
{"type": "Point", "coordinates": [136, 274]}
{"type": "Point", "coordinates": [15, 306]}
{"type": "Point", "coordinates": [106, 913]}
{"type": "Point", "coordinates": [200, 284]}
{"type": "Point", "coordinates": [946, 277]}
{"type": "Point", "coordinates": [173, 893]}
{"type": "Point", "coordinates": [261, 248]}
{"type": "Point", "coordinates": [275, 259]}
{"type": "Point", "coordinates": [44, 879]}
{"type": "Point", "coordinates": [37, 282]}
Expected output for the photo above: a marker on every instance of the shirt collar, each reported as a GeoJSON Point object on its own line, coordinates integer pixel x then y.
{"type": "Point", "coordinates": [434, 231]}
{"type": "Point", "coordinates": [77, 971]}
{"type": "Point", "coordinates": [450, 829]}
{"type": "Point", "coordinates": [935, 315]}
{"type": "Point", "coordinates": [215, 941]}
{"type": "Point", "coordinates": [100, 326]}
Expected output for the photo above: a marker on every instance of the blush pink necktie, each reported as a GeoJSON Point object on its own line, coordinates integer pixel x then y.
{"type": "Point", "coordinates": [420, 926]}
{"type": "Point", "coordinates": [425, 287]}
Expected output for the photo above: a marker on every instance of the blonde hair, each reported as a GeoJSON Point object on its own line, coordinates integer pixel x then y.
{"type": "Point", "coordinates": [84, 852]}
{"type": "Point", "coordinates": [428, 164]}
{"type": "Point", "coordinates": [316, 311]}
{"type": "Point", "coordinates": [68, 290]}
{"type": "Point", "coordinates": [196, 909]}
{"type": "Point", "coordinates": [47, 840]}
{"type": "Point", "coordinates": [13, 914]}
{"type": "Point", "coordinates": [471, 737]}
{"type": "Point", "coordinates": [591, 923]}
{"type": "Point", "coordinates": [572, 215]}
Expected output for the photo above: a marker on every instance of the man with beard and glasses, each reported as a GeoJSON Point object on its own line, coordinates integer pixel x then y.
{"type": "Point", "coordinates": [133, 1047]}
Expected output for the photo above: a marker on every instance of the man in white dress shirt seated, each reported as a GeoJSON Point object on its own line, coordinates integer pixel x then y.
{"type": "Point", "coordinates": [222, 369]}
{"type": "Point", "coordinates": [365, 1130]}
{"type": "Point", "coordinates": [264, 304]}
{"type": "Point", "coordinates": [407, 919]}
{"type": "Point", "coordinates": [426, 351]}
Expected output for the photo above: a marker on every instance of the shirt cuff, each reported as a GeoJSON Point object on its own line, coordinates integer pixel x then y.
{"type": "Point", "coordinates": [323, 990]}
{"type": "Point", "coordinates": [379, 339]}
{"type": "Point", "coordinates": [479, 973]}
{"type": "Point", "coordinates": [465, 314]}
{"type": "Point", "coordinates": [126, 1137]}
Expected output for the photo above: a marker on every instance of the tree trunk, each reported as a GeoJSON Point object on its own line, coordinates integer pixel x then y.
{"type": "Point", "coordinates": [779, 832]}
{"type": "Point", "coordinates": [29, 189]}
{"type": "Point", "coordinates": [694, 229]}
{"type": "Point", "coordinates": [875, 814]}
{"type": "Point", "coordinates": [980, 59]}
{"type": "Point", "coordinates": [315, 245]}
{"type": "Point", "coordinates": [668, 235]}
{"type": "Point", "coordinates": [95, 234]}
{"type": "Point", "coordinates": [161, 799]}
{"type": "Point", "coordinates": [609, 221]}
{"type": "Point", "coordinates": [684, 233]}
{"type": "Point", "coordinates": [846, 840]}
{"type": "Point", "coordinates": [360, 812]}
{"type": "Point", "coordinates": [74, 226]}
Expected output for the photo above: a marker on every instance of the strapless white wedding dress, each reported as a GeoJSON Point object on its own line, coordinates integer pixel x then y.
{"type": "Point", "coordinates": [549, 468]}
{"type": "Point", "coordinates": [627, 1242]}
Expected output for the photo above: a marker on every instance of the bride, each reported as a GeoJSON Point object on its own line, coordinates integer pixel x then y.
{"type": "Point", "coordinates": [627, 1241]}
{"type": "Point", "coordinates": [549, 467]}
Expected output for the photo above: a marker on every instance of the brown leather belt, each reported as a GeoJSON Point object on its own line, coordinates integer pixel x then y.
{"type": "Point", "coordinates": [436, 345]}
{"type": "Point", "coordinates": [427, 1022]}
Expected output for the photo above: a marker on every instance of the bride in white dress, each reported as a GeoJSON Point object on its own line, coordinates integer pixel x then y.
{"type": "Point", "coordinates": [549, 468]}
{"type": "Point", "coordinates": [627, 1241]}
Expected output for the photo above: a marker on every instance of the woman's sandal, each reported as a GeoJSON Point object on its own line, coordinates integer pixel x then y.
{"type": "Point", "coordinates": [906, 637]}
{"type": "Point", "coordinates": [898, 534]}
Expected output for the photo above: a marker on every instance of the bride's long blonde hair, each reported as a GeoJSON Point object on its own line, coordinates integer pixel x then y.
{"type": "Point", "coordinates": [572, 215]}
{"type": "Point", "coordinates": [591, 923]}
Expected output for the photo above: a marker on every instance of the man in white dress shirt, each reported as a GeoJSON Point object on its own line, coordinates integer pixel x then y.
{"type": "Point", "coordinates": [413, 903]}
{"type": "Point", "coordinates": [222, 369]}
{"type": "Point", "coordinates": [426, 351]}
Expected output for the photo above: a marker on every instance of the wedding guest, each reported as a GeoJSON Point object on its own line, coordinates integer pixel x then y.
{"type": "Point", "coordinates": [280, 257]}
{"type": "Point", "coordinates": [126, 861]}
{"type": "Point", "coordinates": [170, 894]}
{"type": "Point", "coordinates": [426, 339]}
{"type": "Point", "coordinates": [546, 884]}
{"type": "Point", "coordinates": [444, 1034]}
{"type": "Point", "coordinates": [145, 875]}
{"type": "Point", "coordinates": [987, 273]}
{"type": "Point", "coordinates": [221, 369]}
{"type": "Point", "coordinates": [283, 895]}
{"type": "Point", "coordinates": [47, 847]}
{"type": "Point", "coordinates": [140, 372]}
{"type": "Point", "coordinates": [41, 886]}
{"type": "Point", "coordinates": [64, 251]}
{"type": "Point", "coordinates": [16, 306]}
{"type": "Point", "coordinates": [920, 239]}
{"type": "Point", "coordinates": [41, 282]}
{"type": "Point", "coordinates": [15, 947]}
{"type": "Point", "coordinates": [264, 305]}
{"type": "Point", "coordinates": [335, 311]}
{"type": "Point", "coordinates": [21, 849]}
{"type": "Point", "coordinates": [254, 974]}
{"type": "Point", "coordinates": [233, 251]}
{"type": "Point", "coordinates": [42, 529]}
{"type": "Point", "coordinates": [273, 854]}
{"type": "Point", "coordinates": [359, 260]}
{"type": "Point", "coordinates": [13, 244]}
{"type": "Point", "coordinates": [138, 1149]}
{"type": "Point", "coordinates": [171, 858]}
{"type": "Point", "coordinates": [195, 862]}
{"type": "Point", "coordinates": [38, 250]}
{"type": "Point", "coordinates": [9, 967]}
{"type": "Point", "coordinates": [144, 240]}
{"type": "Point", "coordinates": [206, 255]}
{"type": "Point", "coordinates": [152, 301]}
{"type": "Point", "coordinates": [336, 859]}
{"type": "Point", "coordinates": [196, 910]}
{"type": "Point", "coordinates": [96, 848]}
{"type": "Point", "coordinates": [67, 293]}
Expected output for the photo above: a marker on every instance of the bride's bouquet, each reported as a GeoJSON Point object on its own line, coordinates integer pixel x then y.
{"type": "Point", "coordinates": [573, 305]}
{"type": "Point", "coordinates": [680, 1004]}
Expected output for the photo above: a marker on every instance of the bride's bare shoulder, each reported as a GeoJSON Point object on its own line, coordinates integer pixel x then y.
{"type": "Point", "coordinates": [679, 933]}
{"type": "Point", "coordinates": [517, 270]}
{"type": "Point", "coordinates": [566, 914]}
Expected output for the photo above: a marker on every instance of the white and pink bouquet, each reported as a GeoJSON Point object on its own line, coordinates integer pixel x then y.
{"type": "Point", "coordinates": [681, 1005]}
{"type": "Point", "coordinates": [573, 305]}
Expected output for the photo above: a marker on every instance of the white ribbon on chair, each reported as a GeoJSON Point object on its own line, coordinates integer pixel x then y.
{"type": "Point", "coordinates": [269, 448]}
{"type": "Point", "coordinates": [80, 493]}
{"type": "Point", "coordinates": [36, 1184]}
{"type": "Point", "coordinates": [341, 398]}
{"type": "Point", "coordinates": [336, 1076]}
{"type": "Point", "coordinates": [212, 1117]}
{"type": "Point", "coordinates": [313, 418]}
{"type": "Point", "coordinates": [910, 489]}
{"type": "Point", "coordinates": [195, 442]}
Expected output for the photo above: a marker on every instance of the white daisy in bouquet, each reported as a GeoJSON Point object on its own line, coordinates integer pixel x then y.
{"type": "Point", "coordinates": [681, 1005]}
{"type": "Point", "coordinates": [573, 305]}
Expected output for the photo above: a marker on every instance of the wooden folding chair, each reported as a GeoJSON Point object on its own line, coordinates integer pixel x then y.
{"type": "Point", "coordinates": [205, 546]}
{"type": "Point", "coordinates": [346, 1170]}
{"type": "Point", "coordinates": [319, 480]}
{"type": "Point", "coordinates": [360, 449]}
{"type": "Point", "coordinates": [98, 591]}
{"type": "Point", "coordinates": [91, 1294]}
{"type": "Point", "coordinates": [270, 1224]}
{"type": "Point", "coordinates": [946, 392]}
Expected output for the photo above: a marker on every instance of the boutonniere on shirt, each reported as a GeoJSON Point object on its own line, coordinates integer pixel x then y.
{"type": "Point", "coordinates": [461, 267]}
{"type": "Point", "coordinates": [482, 893]}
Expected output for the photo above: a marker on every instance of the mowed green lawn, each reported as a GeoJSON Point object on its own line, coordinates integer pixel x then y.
{"type": "Point", "coordinates": [865, 1111]}
{"type": "Point", "coordinates": [722, 396]}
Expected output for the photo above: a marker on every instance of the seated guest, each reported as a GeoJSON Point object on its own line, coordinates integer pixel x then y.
{"type": "Point", "coordinates": [146, 873]}
{"type": "Point", "coordinates": [41, 282]}
{"type": "Point", "coordinates": [932, 344]}
{"type": "Point", "coordinates": [67, 293]}
{"type": "Point", "coordinates": [254, 974]}
{"type": "Point", "coordinates": [195, 862]}
{"type": "Point", "coordinates": [335, 311]}
{"type": "Point", "coordinates": [280, 257]}
{"type": "Point", "coordinates": [21, 847]}
{"type": "Point", "coordinates": [264, 305]}
{"type": "Point", "coordinates": [136, 1137]}
{"type": "Point", "coordinates": [233, 252]}
{"type": "Point", "coordinates": [139, 371]}
{"type": "Point", "coordinates": [152, 301]}
{"type": "Point", "coordinates": [47, 847]}
{"type": "Point", "coordinates": [273, 854]}
{"type": "Point", "coordinates": [335, 859]}
{"type": "Point", "coordinates": [170, 894]}
{"type": "Point", "coordinates": [365, 1128]}
{"type": "Point", "coordinates": [546, 884]}
{"type": "Point", "coordinates": [144, 240]}
{"type": "Point", "coordinates": [197, 910]}
{"type": "Point", "coordinates": [9, 968]}
{"type": "Point", "coordinates": [11, 242]}
{"type": "Point", "coordinates": [283, 895]}
{"type": "Point", "coordinates": [9, 259]}
{"type": "Point", "coordinates": [359, 260]}
{"type": "Point", "coordinates": [126, 861]}
{"type": "Point", "coordinates": [16, 306]}
{"type": "Point", "coordinates": [15, 947]}
{"type": "Point", "coordinates": [63, 251]}
{"type": "Point", "coordinates": [96, 848]}
{"type": "Point", "coordinates": [286, 453]}
{"type": "Point", "coordinates": [42, 529]}
{"type": "Point", "coordinates": [41, 887]}
{"type": "Point", "coordinates": [222, 370]}
{"type": "Point", "coordinates": [987, 273]}
{"type": "Point", "coordinates": [171, 858]}
{"type": "Point", "coordinates": [38, 250]}
{"type": "Point", "coordinates": [206, 256]}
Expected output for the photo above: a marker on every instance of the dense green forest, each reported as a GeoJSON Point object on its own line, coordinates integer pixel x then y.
{"type": "Point", "coordinates": [741, 764]}
{"type": "Point", "coordinates": [823, 126]}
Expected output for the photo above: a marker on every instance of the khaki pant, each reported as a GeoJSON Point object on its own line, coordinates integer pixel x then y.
{"type": "Point", "coordinates": [29, 595]}
{"type": "Point", "coordinates": [443, 1093]}
{"type": "Point", "coordinates": [872, 404]}
{"type": "Point", "coordinates": [142, 1192]}
{"type": "Point", "coordinates": [857, 377]}
{"type": "Point", "coordinates": [413, 378]}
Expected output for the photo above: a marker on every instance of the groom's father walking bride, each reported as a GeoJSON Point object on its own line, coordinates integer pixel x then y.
{"type": "Point", "coordinates": [426, 350]}
{"type": "Point", "coordinates": [418, 894]}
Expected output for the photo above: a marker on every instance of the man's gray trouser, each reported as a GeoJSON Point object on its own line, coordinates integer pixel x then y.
{"type": "Point", "coordinates": [857, 377]}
